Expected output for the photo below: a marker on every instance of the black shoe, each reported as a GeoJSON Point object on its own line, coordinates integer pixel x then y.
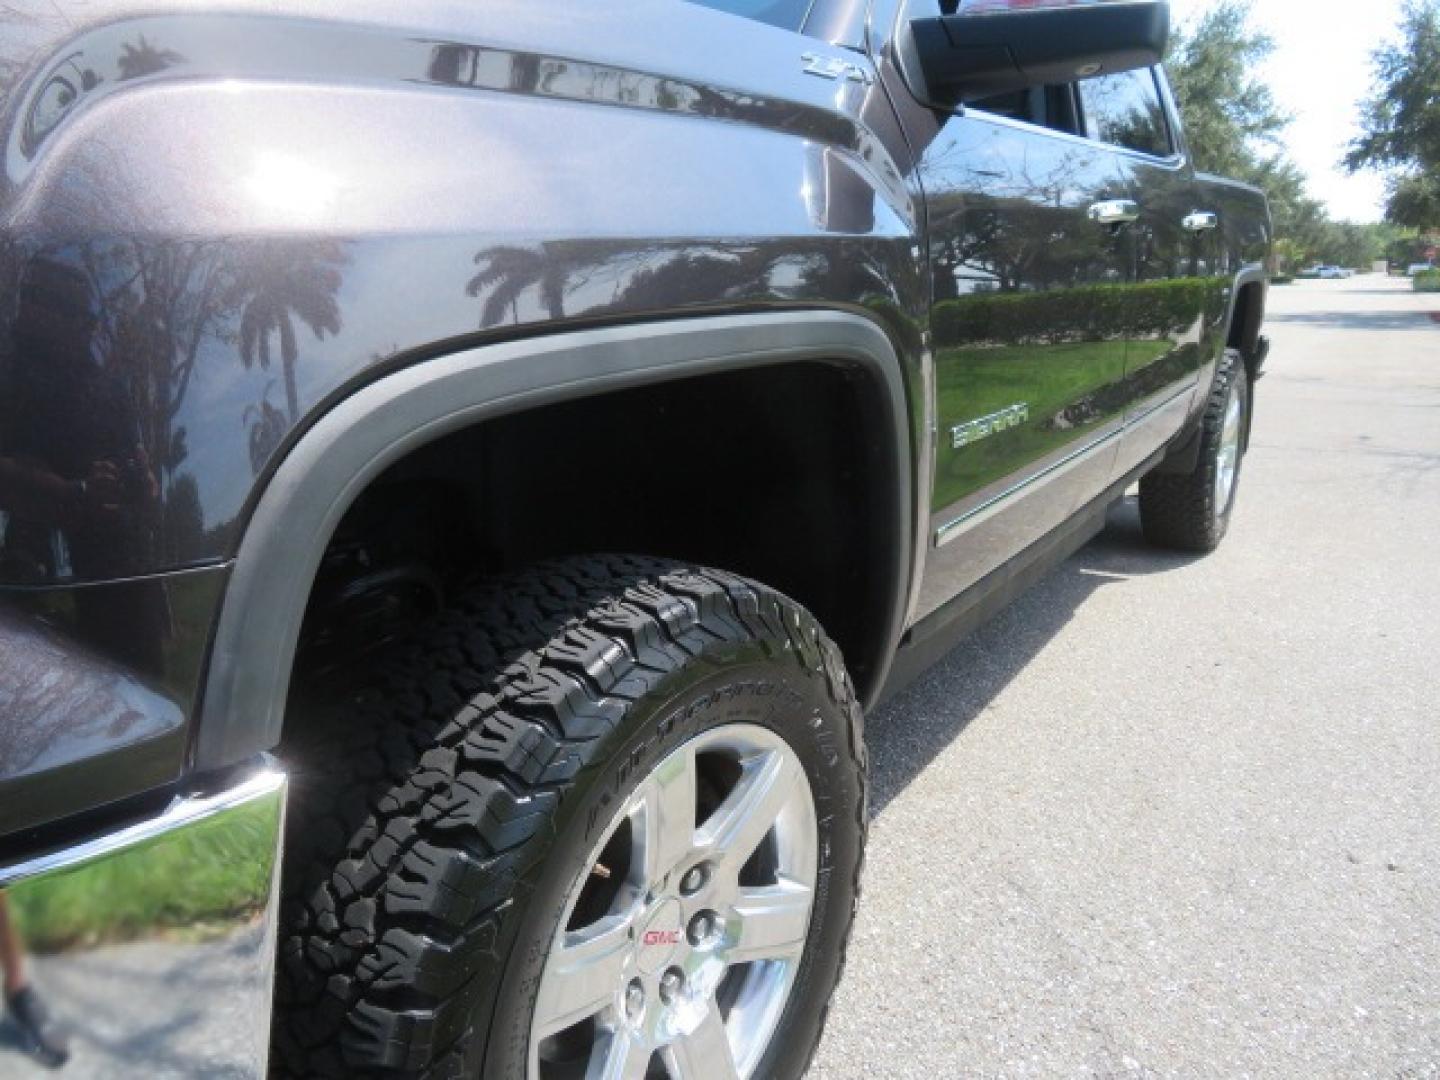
{"type": "Point", "coordinates": [42, 1034]}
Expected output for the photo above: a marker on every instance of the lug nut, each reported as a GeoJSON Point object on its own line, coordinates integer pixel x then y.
{"type": "Point", "coordinates": [671, 985]}
{"type": "Point", "coordinates": [634, 1001]}
{"type": "Point", "coordinates": [701, 927]}
{"type": "Point", "coordinates": [694, 879]}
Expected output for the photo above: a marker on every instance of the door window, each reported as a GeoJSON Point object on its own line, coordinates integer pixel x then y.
{"type": "Point", "coordinates": [1126, 110]}
{"type": "Point", "coordinates": [786, 14]}
{"type": "Point", "coordinates": [1050, 107]}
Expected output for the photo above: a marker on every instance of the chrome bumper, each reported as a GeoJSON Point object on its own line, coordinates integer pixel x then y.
{"type": "Point", "coordinates": [153, 946]}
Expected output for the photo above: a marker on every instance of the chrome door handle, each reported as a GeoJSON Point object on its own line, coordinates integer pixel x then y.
{"type": "Point", "coordinates": [1115, 212]}
{"type": "Point", "coordinates": [1200, 221]}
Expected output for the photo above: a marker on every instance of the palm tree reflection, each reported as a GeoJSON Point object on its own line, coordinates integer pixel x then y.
{"type": "Point", "coordinates": [273, 283]}
{"type": "Point", "coordinates": [508, 272]}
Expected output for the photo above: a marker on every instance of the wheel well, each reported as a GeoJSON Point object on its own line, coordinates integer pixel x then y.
{"type": "Point", "coordinates": [782, 473]}
{"type": "Point", "coordinates": [1245, 322]}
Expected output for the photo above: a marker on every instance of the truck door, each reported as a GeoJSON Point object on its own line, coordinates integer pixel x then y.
{"type": "Point", "coordinates": [1164, 255]}
{"type": "Point", "coordinates": [1028, 354]}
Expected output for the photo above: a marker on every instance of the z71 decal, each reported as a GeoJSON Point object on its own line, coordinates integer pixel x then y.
{"type": "Point", "coordinates": [832, 67]}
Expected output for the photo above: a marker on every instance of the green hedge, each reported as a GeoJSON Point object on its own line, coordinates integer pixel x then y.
{"type": "Point", "coordinates": [1427, 281]}
{"type": "Point", "coordinates": [1082, 313]}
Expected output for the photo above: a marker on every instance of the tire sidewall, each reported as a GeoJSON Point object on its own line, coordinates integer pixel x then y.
{"type": "Point", "coordinates": [728, 685]}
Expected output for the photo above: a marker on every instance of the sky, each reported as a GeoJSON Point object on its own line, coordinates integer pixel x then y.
{"type": "Point", "coordinates": [1319, 71]}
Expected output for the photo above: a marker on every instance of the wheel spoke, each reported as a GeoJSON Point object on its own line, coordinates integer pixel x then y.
{"type": "Point", "coordinates": [583, 974]}
{"type": "Point", "coordinates": [668, 809]}
{"type": "Point", "coordinates": [612, 984]}
{"type": "Point", "coordinates": [773, 921]}
{"type": "Point", "coordinates": [735, 830]}
{"type": "Point", "coordinates": [1227, 457]}
{"type": "Point", "coordinates": [619, 1056]}
{"type": "Point", "coordinates": [704, 1053]}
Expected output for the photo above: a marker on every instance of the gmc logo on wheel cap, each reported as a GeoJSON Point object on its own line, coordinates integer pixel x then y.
{"type": "Point", "coordinates": [661, 937]}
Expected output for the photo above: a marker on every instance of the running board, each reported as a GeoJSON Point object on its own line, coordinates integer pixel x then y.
{"type": "Point", "coordinates": [939, 632]}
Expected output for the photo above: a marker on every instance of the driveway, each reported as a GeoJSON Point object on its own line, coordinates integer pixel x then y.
{"type": "Point", "coordinates": [1179, 817]}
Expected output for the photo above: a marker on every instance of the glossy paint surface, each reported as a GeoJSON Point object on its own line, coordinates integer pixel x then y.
{"type": "Point", "coordinates": [1033, 314]}
{"type": "Point", "coordinates": [1093, 335]}
{"type": "Point", "coordinates": [1015, 261]}
{"type": "Point", "coordinates": [212, 223]}
{"type": "Point", "coordinates": [215, 226]}
{"type": "Point", "coordinates": [97, 683]}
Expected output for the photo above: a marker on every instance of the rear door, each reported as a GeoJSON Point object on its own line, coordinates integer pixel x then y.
{"type": "Point", "coordinates": [1165, 255]}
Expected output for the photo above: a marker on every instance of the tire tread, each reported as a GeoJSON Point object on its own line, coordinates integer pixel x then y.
{"type": "Point", "coordinates": [1177, 511]}
{"type": "Point", "coordinates": [416, 799]}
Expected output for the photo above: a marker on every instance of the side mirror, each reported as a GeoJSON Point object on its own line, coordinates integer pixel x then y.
{"type": "Point", "coordinates": [990, 51]}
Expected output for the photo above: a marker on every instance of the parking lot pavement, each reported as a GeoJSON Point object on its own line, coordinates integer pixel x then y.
{"type": "Point", "coordinates": [1180, 817]}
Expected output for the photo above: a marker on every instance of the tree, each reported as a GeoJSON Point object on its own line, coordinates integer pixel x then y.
{"type": "Point", "coordinates": [1348, 243]}
{"type": "Point", "coordinates": [1401, 119]}
{"type": "Point", "coordinates": [1233, 123]}
{"type": "Point", "coordinates": [1289, 256]}
{"type": "Point", "coordinates": [1227, 110]}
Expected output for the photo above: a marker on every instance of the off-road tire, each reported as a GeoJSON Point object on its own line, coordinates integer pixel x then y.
{"type": "Point", "coordinates": [439, 813]}
{"type": "Point", "coordinates": [1178, 510]}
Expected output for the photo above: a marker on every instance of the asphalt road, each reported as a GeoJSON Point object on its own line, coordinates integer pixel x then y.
{"type": "Point", "coordinates": [1179, 817]}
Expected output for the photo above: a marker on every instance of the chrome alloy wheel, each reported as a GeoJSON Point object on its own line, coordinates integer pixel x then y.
{"type": "Point", "coordinates": [1227, 462]}
{"type": "Point", "coordinates": [682, 938]}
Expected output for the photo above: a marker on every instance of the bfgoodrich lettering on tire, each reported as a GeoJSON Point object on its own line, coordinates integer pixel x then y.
{"type": "Point", "coordinates": [604, 819]}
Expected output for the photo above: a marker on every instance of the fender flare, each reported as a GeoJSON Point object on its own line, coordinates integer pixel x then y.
{"type": "Point", "coordinates": [242, 707]}
{"type": "Point", "coordinates": [1254, 274]}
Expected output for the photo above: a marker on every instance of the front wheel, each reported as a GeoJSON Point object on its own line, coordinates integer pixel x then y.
{"type": "Point", "coordinates": [604, 820]}
{"type": "Point", "coordinates": [1191, 511]}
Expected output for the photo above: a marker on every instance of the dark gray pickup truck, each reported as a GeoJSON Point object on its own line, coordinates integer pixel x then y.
{"type": "Point", "coordinates": [465, 469]}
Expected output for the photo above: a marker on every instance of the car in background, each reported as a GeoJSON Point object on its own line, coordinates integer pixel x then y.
{"type": "Point", "coordinates": [1418, 268]}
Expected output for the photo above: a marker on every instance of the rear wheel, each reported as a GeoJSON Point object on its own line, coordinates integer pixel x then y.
{"type": "Point", "coordinates": [604, 820]}
{"type": "Point", "coordinates": [1191, 511]}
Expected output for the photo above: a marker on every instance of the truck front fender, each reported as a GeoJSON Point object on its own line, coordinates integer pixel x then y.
{"type": "Point", "coordinates": [259, 625]}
